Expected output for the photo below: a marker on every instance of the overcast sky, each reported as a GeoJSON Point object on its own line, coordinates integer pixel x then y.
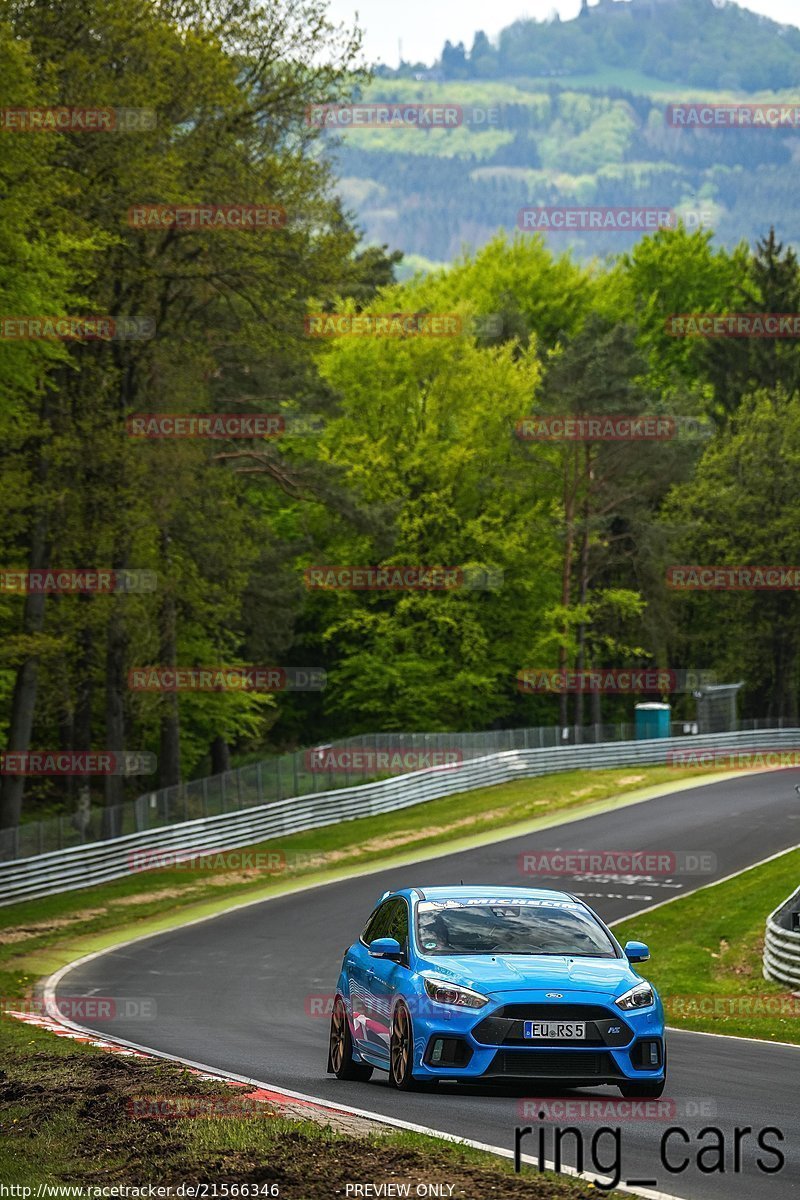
{"type": "Point", "coordinates": [424, 25]}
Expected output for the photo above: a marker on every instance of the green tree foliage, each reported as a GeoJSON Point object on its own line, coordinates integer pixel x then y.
{"type": "Point", "coordinates": [399, 450]}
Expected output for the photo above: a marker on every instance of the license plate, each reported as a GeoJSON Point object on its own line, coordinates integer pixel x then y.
{"type": "Point", "coordinates": [561, 1030]}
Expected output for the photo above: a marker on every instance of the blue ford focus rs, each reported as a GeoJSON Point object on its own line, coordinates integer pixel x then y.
{"type": "Point", "coordinates": [492, 983]}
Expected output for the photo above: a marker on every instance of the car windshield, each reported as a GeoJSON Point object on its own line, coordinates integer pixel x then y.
{"type": "Point", "coordinates": [525, 927]}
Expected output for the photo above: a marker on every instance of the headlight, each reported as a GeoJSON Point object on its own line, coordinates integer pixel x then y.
{"type": "Point", "coordinates": [641, 996]}
{"type": "Point", "coordinates": [445, 992]}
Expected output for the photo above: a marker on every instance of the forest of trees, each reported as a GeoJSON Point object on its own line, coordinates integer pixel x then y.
{"type": "Point", "coordinates": [707, 43]}
{"type": "Point", "coordinates": [398, 449]}
{"type": "Point", "coordinates": [579, 116]}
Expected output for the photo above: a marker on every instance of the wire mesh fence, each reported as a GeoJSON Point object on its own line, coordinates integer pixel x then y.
{"type": "Point", "coordinates": [304, 772]}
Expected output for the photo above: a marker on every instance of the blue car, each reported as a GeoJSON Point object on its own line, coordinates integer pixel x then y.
{"type": "Point", "coordinates": [493, 983]}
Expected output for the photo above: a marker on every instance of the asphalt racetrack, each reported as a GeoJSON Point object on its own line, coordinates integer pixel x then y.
{"type": "Point", "coordinates": [240, 993]}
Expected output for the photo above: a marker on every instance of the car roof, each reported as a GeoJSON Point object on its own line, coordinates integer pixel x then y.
{"type": "Point", "coordinates": [473, 892]}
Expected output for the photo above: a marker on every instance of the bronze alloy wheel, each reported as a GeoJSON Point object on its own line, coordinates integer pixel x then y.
{"type": "Point", "coordinates": [340, 1048]}
{"type": "Point", "coordinates": [401, 1051]}
{"type": "Point", "coordinates": [338, 1021]}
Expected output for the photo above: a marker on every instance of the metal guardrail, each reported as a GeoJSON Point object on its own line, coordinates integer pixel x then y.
{"type": "Point", "coordinates": [781, 961]}
{"type": "Point", "coordinates": [286, 776]}
{"type": "Point", "coordinates": [81, 866]}
{"type": "Point", "coordinates": [281, 777]}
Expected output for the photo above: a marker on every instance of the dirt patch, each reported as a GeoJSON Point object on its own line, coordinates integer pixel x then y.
{"type": "Point", "coordinates": [251, 875]}
{"type": "Point", "coordinates": [316, 1169]}
{"type": "Point", "coordinates": [148, 897]}
{"type": "Point", "coordinates": [20, 933]}
{"type": "Point", "coordinates": [405, 836]}
{"type": "Point", "coordinates": [69, 1118]}
{"type": "Point", "coordinates": [626, 779]}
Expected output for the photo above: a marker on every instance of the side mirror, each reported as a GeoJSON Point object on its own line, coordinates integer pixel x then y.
{"type": "Point", "coordinates": [386, 948]}
{"type": "Point", "coordinates": [636, 952]}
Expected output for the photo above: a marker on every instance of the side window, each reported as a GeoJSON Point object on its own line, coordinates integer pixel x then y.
{"type": "Point", "coordinates": [390, 920]}
{"type": "Point", "coordinates": [398, 923]}
{"type": "Point", "coordinates": [376, 925]}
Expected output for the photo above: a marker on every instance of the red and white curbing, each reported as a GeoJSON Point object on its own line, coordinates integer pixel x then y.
{"type": "Point", "coordinates": [259, 1094]}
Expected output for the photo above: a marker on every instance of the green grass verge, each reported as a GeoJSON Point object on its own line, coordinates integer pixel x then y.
{"type": "Point", "coordinates": [68, 1117]}
{"type": "Point", "coordinates": [706, 955]}
{"type": "Point", "coordinates": [39, 936]}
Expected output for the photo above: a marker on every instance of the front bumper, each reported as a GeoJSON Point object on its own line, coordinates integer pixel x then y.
{"type": "Point", "coordinates": [490, 1043]}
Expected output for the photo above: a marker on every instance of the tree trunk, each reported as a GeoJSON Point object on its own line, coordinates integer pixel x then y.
{"type": "Point", "coordinates": [566, 585]}
{"type": "Point", "coordinates": [66, 734]}
{"type": "Point", "coordinates": [23, 700]}
{"type": "Point", "coordinates": [84, 689]}
{"type": "Point", "coordinates": [169, 757]}
{"type": "Point", "coordinates": [583, 590]}
{"type": "Point", "coordinates": [220, 756]}
{"type": "Point", "coordinates": [114, 785]}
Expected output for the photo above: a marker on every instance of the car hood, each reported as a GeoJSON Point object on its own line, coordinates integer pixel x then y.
{"type": "Point", "coordinates": [516, 972]}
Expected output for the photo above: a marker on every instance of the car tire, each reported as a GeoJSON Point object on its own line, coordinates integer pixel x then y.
{"type": "Point", "coordinates": [340, 1048]}
{"type": "Point", "coordinates": [401, 1051]}
{"type": "Point", "coordinates": [649, 1089]}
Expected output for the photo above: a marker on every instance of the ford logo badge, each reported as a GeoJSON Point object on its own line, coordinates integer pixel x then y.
{"type": "Point", "coordinates": [554, 995]}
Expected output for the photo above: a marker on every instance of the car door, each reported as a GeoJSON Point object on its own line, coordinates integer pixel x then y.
{"type": "Point", "coordinates": [367, 1034]}
{"type": "Point", "coordinates": [389, 977]}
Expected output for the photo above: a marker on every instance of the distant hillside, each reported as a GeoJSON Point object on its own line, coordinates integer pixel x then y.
{"type": "Point", "coordinates": [562, 124]}
{"type": "Point", "coordinates": [704, 43]}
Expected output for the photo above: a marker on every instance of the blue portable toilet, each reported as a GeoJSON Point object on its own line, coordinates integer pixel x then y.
{"type": "Point", "coordinates": [652, 721]}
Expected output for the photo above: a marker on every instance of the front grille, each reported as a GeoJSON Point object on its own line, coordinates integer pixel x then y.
{"type": "Point", "coordinates": [548, 1064]}
{"type": "Point", "coordinates": [496, 1031]}
{"type": "Point", "coordinates": [556, 1012]}
{"type": "Point", "coordinates": [506, 1025]}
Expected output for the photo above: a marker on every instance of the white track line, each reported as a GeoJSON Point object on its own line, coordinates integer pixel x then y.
{"type": "Point", "coordinates": [701, 1032]}
{"type": "Point", "coordinates": [52, 982]}
{"type": "Point", "coordinates": [328, 1105]}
